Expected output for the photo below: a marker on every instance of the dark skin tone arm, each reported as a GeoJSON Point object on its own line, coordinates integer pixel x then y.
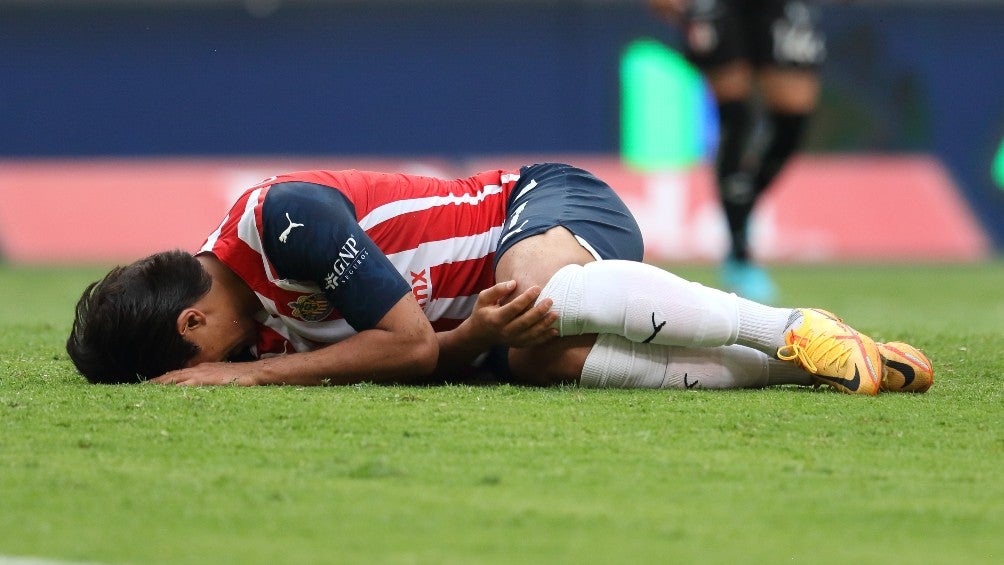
{"type": "Point", "coordinates": [499, 318]}
{"type": "Point", "coordinates": [401, 348]}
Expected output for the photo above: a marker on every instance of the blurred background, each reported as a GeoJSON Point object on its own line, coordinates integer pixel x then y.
{"type": "Point", "coordinates": [127, 126]}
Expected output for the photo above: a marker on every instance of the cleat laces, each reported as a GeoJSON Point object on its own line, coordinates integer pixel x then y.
{"type": "Point", "coordinates": [828, 351]}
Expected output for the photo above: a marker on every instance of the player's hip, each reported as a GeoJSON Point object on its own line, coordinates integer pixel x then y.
{"type": "Point", "coordinates": [554, 194]}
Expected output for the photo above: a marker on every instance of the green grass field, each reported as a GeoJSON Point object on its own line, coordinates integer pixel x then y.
{"type": "Point", "coordinates": [367, 474]}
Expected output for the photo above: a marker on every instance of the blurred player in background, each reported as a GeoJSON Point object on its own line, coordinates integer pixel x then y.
{"type": "Point", "coordinates": [341, 277]}
{"type": "Point", "coordinates": [752, 52]}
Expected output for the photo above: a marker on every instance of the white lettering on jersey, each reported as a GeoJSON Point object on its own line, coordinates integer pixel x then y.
{"type": "Point", "coordinates": [350, 256]}
{"type": "Point", "coordinates": [794, 39]}
{"type": "Point", "coordinates": [284, 235]}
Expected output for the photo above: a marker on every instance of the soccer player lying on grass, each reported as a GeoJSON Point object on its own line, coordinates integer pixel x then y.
{"type": "Point", "coordinates": [342, 277]}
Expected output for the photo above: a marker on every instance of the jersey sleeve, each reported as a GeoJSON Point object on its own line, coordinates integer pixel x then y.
{"type": "Point", "coordinates": [310, 233]}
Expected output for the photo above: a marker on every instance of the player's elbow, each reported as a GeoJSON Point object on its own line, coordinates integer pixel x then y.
{"type": "Point", "coordinates": [423, 353]}
{"type": "Point", "coordinates": [416, 351]}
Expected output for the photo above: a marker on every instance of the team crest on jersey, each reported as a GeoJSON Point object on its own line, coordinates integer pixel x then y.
{"type": "Point", "coordinates": [311, 308]}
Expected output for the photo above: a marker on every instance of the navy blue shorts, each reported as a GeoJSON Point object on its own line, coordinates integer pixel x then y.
{"type": "Point", "coordinates": [551, 194]}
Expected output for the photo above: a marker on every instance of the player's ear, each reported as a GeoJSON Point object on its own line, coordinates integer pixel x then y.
{"type": "Point", "coordinates": [190, 319]}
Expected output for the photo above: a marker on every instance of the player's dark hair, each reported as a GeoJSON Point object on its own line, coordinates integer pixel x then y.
{"type": "Point", "coordinates": [125, 329]}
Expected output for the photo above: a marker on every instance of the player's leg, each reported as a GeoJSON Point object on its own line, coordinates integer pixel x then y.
{"type": "Point", "coordinates": [613, 295]}
{"type": "Point", "coordinates": [790, 96]}
{"type": "Point", "coordinates": [561, 219]}
{"type": "Point", "coordinates": [717, 44]}
{"type": "Point", "coordinates": [611, 361]}
{"type": "Point", "coordinates": [644, 305]}
{"type": "Point", "coordinates": [649, 306]}
{"type": "Point", "coordinates": [731, 86]}
{"type": "Point", "coordinates": [624, 297]}
{"type": "Point", "coordinates": [736, 182]}
{"type": "Point", "coordinates": [787, 50]}
{"type": "Point", "coordinates": [615, 362]}
{"type": "Point", "coordinates": [532, 261]}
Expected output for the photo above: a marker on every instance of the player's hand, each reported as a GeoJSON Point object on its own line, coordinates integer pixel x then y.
{"type": "Point", "coordinates": [210, 374]}
{"type": "Point", "coordinates": [519, 322]}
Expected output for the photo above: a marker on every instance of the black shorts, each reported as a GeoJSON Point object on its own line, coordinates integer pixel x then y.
{"type": "Point", "coordinates": [778, 33]}
{"type": "Point", "coordinates": [551, 194]}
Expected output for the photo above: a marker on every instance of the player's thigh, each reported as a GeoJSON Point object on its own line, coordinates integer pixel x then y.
{"type": "Point", "coordinates": [730, 81]}
{"type": "Point", "coordinates": [561, 215]}
{"type": "Point", "coordinates": [792, 91]}
{"type": "Point", "coordinates": [717, 42]}
{"type": "Point", "coordinates": [533, 260]}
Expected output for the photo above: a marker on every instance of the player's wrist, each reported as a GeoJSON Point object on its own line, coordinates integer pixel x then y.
{"type": "Point", "coordinates": [270, 372]}
{"type": "Point", "coordinates": [471, 337]}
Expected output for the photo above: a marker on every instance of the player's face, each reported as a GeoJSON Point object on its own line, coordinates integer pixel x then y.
{"type": "Point", "coordinates": [222, 340]}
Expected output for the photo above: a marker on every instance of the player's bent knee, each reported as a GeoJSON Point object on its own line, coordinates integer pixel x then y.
{"type": "Point", "coordinates": [555, 363]}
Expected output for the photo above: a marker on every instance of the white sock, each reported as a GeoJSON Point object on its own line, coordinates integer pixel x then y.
{"type": "Point", "coordinates": [615, 362]}
{"type": "Point", "coordinates": [646, 304]}
{"type": "Point", "coordinates": [787, 373]}
{"type": "Point", "coordinates": [762, 327]}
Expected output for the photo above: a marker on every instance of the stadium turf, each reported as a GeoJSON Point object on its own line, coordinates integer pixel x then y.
{"type": "Point", "coordinates": [368, 474]}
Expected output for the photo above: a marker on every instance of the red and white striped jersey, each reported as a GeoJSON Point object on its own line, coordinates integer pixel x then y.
{"type": "Point", "coordinates": [439, 235]}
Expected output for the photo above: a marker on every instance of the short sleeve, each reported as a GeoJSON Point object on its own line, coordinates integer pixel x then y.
{"type": "Point", "coordinates": [310, 233]}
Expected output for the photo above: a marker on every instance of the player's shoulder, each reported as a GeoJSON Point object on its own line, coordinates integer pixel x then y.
{"type": "Point", "coordinates": [293, 190]}
{"type": "Point", "coordinates": [302, 199]}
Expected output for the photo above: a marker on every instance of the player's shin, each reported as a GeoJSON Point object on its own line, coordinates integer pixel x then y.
{"type": "Point", "coordinates": [646, 304]}
{"type": "Point", "coordinates": [615, 362]}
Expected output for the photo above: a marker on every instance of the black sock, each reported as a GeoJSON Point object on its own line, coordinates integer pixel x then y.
{"type": "Point", "coordinates": [787, 132]}
{"type": "Point", "coordinates": [735, 186]}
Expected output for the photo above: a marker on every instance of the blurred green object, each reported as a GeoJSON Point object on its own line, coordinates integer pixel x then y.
{"type": "Point", "coordinates": [997, 168]}
{"type": "Point", "coordinates": [661, 107]}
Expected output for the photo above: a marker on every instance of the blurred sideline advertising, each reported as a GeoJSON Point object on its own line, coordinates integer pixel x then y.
{"type": "Point", "coordinates": [232, 78]}
{"type": "Point", "coordinates": [824, 208]}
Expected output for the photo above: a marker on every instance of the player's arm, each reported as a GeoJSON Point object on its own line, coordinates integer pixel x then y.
{"type": "Point", "coordinates": [394, 341]}
{"type": "Point", "coordinates": [496, 320]}
{"type": "Point", "coordinates": [400, 348]}
{"type": "Point", "coordinates": [311, 236]}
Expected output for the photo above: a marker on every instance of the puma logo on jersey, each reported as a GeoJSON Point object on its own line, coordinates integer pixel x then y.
{"type": "Point", "coordinates": [285, 235]}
